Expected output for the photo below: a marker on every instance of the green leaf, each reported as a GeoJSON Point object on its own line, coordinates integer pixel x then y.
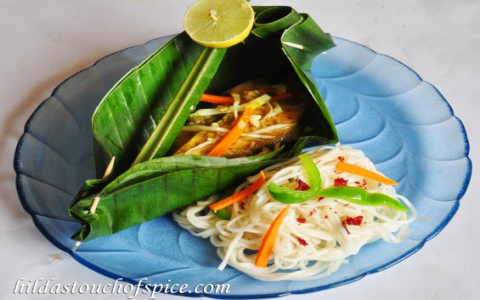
{"type": "Point", "coordinates": [310, 37]}
{"type": "Point", "coordinates": [185, 101]}
{"type": "Point", "coordinates": [90, 187]}
{"type": "Point", "coordinates": [154, 98]}
{"type": "Point", "coordinates": [274, 19]}
{"type": "Point", "coordinates": [161, 166]}
{"type": "Point", "coordinates": [133, 200]}
{"type": "Point", "coordinates": [322, 125]}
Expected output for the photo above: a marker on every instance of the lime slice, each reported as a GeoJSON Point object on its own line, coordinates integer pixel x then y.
{"type": "Point", "coordinates": [219, 23]}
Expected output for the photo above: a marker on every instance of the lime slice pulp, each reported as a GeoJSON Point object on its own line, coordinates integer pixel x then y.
{"type": "Point", "coordinates": [219, 23]}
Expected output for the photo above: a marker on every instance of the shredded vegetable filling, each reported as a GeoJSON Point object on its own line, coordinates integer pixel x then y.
{"type": "Point", "coordinates": [315, 237]}
{"type": "Point", "coordinates": [274, 119]}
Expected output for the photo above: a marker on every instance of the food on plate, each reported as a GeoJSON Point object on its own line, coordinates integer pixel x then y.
{"type": "Point", "coordinates": [275, 119]}
{"type": "Point", "coordinates": [303, 218]}
{"type": "Point", "coordinates": [144, 123]}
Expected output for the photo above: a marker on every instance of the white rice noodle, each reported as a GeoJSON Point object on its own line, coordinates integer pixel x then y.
{"type": "Point", "coordinates": [326, 244]}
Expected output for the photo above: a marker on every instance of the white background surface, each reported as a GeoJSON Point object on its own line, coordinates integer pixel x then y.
{"type": "Point", "coordinates": [45, 41]}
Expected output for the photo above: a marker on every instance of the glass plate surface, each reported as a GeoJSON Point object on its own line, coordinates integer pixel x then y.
{"type": "Point", "coordinates": [379, 105]}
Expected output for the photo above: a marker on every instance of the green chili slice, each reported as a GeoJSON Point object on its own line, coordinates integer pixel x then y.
{"type": "Point", "coordinates": [361, 196]}
{"type": "Point", "coordinates": [224, 213]}
{"type": "Point", "coordinates": [288, 195]}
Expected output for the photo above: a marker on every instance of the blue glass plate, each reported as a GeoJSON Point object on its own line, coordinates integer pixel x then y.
{"type": "Point", "coordinates": [379, 106]}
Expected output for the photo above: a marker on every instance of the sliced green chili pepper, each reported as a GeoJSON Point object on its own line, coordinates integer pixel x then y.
{"type": "Point", "coordinates": [224, 213]}
{"type": "Point", "coordinates": [361, 196]}
{"type": "Point", "coordinates": [288, 195]}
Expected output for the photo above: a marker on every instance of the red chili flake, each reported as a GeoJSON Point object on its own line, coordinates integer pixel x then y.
{"type": "Point", "coordinates": [345, 226]}
{"type": "Point", "coordinates": [242, 205]}
{"type": "Point", "coordinates": [303, 204]}
{"type": "Point", "coordinates": [312, 212]}
{"type": "Point", "coordinates": [301, 220]}
{"type": "Point", "coordinates": [320, 198]}
{"type": "Point", "coordinates": [340, 182]}
{"type": "Point", "coordinates": [346, 204]}
{"type": "Point", "coordinates": [364, 184]}
{"type": "Point", "coordinates": [301, 185]}
{"type": "Point", "coordinates": [341, 158]}
{"type": "Point", "coordinates": [326, 217]}
{"type": "Point", "coordinates": [301, 241]}
{"type": "Point", "coordinates": [357, 221]}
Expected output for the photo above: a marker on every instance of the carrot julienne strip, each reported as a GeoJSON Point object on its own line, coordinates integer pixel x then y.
{"type": "Point", "coordinates": [269, 239]}
{"type": "Point", "coordinates": [227, 100]}
{"type": "Point", "coordinates": [233, 135]}
{"type": "Point", "coordinates": [281, 96]}
{"type": "Point", "coordinates": [353, 169]}
{"type": "Point", "coordinates": [240, 195]}
{"type": "Point", "coordinates": [215, 99]}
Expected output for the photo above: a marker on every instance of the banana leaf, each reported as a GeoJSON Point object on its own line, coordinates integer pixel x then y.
{"type": "Point", "coordinates": [153, 99]}
{"type": "Point", "coordinates": [146, 109]}
{"type": "Point", "coordinates": [160, 186]}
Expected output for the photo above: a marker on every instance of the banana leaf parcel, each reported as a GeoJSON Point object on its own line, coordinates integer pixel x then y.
{"type": "Point", "coordinates": [140, 117]}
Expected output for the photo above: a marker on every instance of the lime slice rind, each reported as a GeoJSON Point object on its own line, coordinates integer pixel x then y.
{"type": "Point", "coordinates": [231, 24]}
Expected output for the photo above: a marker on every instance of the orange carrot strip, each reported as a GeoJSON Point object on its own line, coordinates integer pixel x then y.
{"type": "Point", "coordinates": [240, 195]}
{"type": "Point", "coordinates": [233, 135]}
{"type": "Point", "coordinates": [226, 100]}
{"type": "Point", "coordinates": [349, 168]}
{"type": "Point", "coordinates": [215, 99]}
{"type": "Point", "coordinates": [269, 239]}
{"type": "Point", "coordinates": [281, 96]}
